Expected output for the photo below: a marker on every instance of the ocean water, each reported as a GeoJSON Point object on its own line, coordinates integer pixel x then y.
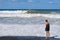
{"type": "Point", "coordinates": [22, 17]}
{"type": "Point", "coordinates": [24, 21]}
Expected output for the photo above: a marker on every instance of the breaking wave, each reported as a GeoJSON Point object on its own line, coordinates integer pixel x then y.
{"type": "Point", "coordinates": [21, 13]}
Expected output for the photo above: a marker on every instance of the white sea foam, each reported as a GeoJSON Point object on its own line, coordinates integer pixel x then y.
{"type": "Point", "coordinates": [27, 30]}
{"type": "Point", "coordinates": [21, 13]}
{"type": "Point", "coordinates": [50, 15]}
{"type": "Point", "coordinates": [30, 15]}
{"type": "Point", "coordinates": [18, 11]}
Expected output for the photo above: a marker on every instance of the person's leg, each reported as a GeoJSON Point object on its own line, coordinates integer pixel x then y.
{"type": "Point", "coordinates": [47, 35]}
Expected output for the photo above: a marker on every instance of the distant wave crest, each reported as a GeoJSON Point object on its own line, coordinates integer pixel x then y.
{"type": "Point", "coordinates": [18, 11]}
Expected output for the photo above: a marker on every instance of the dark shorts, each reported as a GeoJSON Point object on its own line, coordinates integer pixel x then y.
{"type": "Point", "coordinates": [47, 29]}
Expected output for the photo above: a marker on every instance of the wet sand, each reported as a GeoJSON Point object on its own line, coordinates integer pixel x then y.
{"type": "Point", "coordinates": [26, 38]}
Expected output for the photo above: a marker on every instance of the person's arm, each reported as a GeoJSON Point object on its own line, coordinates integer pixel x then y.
{"type": "Point", "coordinates": [46, 23]}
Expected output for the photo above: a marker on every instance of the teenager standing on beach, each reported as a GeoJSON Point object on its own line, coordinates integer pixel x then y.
{"type": "Point", "coordinates": [47, 29]}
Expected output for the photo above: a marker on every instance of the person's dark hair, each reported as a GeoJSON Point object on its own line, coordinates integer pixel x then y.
{"type": "Point", "coordinates": [46, 20]}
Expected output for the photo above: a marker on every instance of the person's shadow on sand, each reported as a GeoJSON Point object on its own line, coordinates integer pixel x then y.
{"type": "Point", "coordinates": [26, 38]}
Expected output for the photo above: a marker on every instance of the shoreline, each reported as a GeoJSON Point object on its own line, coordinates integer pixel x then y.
{"type": "Point", "coordinates": [26, 38]}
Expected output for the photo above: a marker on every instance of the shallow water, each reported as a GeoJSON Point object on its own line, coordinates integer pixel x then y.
{"type": "Point", "coordinates": [30, 26]}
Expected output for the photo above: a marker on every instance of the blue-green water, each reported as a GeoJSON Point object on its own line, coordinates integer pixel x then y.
{"type": "Point", "coordinates": [31, 9]}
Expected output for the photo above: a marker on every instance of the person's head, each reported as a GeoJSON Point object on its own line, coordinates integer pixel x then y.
{"type": "Point", "coordinates": [46, 20]}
